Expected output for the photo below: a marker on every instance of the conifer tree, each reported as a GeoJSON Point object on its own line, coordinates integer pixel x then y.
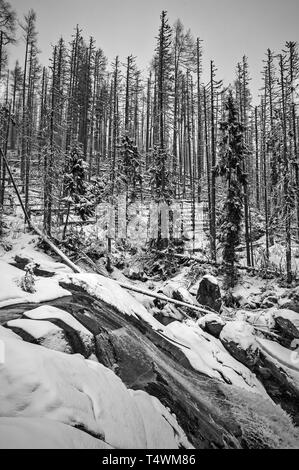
{"type": "Point", "coordinates": [230, 167]}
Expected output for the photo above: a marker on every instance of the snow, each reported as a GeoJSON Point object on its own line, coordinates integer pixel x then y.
{"type": "Point", "coordinates": [45, 333]}
{"type": "Point", "coordinates": [36, 382]}
{"type": "Point", "coordinates": [48, 312]}
{"type": "Point", "coordinates": [286, 361]}
{"type": "Point", "coordinates": [5, 333]}
{"type": "Point", "coordinates": [209, 318]}
{"type": "Point", "coordinates": [39, 433]}
{"type": "Point", "coordinates": [25, 247]}
{"type": "Point", "coordinates": [207, 355]}
{"type": "Point", "coordinates": [176, 290]}
{"type": "Point", "coordinates": [211, 279]}
{"type": "Point", "coordinates": [37, 329]}
{"type": "Point", "coordinates": [240, 333]}
{"type": "Point", "coordinates": [110, 292]}
{"type": "Point", "coordinates": [261, 318]}
{"type": "Point", "coordinates": [11, 292]}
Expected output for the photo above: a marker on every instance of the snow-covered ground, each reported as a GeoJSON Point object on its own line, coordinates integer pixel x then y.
{"type": "Point", "coordinates": [50, 397]}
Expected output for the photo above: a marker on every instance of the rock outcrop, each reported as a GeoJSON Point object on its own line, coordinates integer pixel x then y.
{"type": "Point", "coordinates": [208, 293]}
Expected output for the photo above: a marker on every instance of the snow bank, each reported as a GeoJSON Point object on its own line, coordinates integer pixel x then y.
{"type": "Point", "coordinates": [39, 433]}
{"type": "Point", "coordinates": [206, 354]}
{"type": "Point", "coordinates": [37, 382]}
{"type": "Point", "coordinates": [11, 292]}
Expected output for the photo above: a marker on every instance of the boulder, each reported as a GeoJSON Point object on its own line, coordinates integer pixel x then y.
{"type": "Point", "coordinates": [238, 339]}
{"type": "Point", "coordinates": [289, 304]}
{"type": "Point", "coordinates": [287, 322]}
{"type": "Point", "coordinates": [211, 323]}
{"type": "Point", "coordinates": [208, 293]}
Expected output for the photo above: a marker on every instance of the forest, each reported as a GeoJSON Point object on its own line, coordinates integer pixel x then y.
{"type": "Point", "coordinates": [166, 205]}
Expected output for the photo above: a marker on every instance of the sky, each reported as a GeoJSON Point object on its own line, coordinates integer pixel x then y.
{"type": "Point", "coordinates": [229, 28]}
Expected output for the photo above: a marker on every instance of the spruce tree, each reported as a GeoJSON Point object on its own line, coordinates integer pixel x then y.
{"type": "Point", "coordinates": [230, 167]}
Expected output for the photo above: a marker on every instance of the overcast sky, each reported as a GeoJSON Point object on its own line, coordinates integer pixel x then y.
{"type": "Point", "coordinates": [229, 28]}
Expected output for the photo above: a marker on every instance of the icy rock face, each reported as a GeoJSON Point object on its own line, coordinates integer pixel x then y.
{"type": "Point", "coordinates": [239, 340]}
{"type": "Point", "coordinates": [36, 382]}
{"type": "Point", "coordinates": [287, 322]}
{"type": "Point", "coordinates": [212, 323]}
{"type": "Point", "coordinates": [208, 293]}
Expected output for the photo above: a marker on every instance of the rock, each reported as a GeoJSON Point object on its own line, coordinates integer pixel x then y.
{"type": "Point", "coordinates": [287, 321]}
{"type": "Point", "coordinates": [43, 333]}
{"type": "Point", "coordinates": [268, 302]}
{"type": "Point", "coordinates": [176, 291]}
{"type": "Point", "coordinates": [208, 293]}
{"type": "Point", "coordinates": [238, 338]}
{"type": "Point", "coordinates": [211, 323]}
{"type": "Point", "coordinates": [135, 272]}
{"type": "Point", "coordinates": [289, 304]}
{"type": "Point", "coordinates": [283, 365]}
{"type": "Point", "coordinates": [80, 338]}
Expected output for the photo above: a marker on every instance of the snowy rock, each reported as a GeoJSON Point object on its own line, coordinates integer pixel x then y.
{"type": "Point", "coordinates": [207, 355]}
{"type": "Point", "coordinates": [39, 433]}
{"type": "Point", "coordinates": [170, 311]}
{"type": "Point", "coordinates": [41, 332]}
{"type": "Point", "coordinates": [81, 339]}
{"type": "Point", "coordinates": [135, 272]}
{"type": "Point", "coordinates": [289, 304]}
{"type": "Point", "coordinates": [238, 338]}
{"type": "Point", "coordinates": [208, 293]}
{"type": "Point", "coordinates": [177, 291]}
{"type": "Point", "coordinates": [287, 321]}
{"type": "Point", "coordinates": [111, 293]}
{"type": "Point", "coordinates": [269, 302]}
{"type": "Point", "coordinates": [212, 323]}
{"type": "Point", "coordinates": [260, 319]}
{"type": "Point", "coordinates": [283, 363]}
{"type": "Point", "coordinates": [37, 382]}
